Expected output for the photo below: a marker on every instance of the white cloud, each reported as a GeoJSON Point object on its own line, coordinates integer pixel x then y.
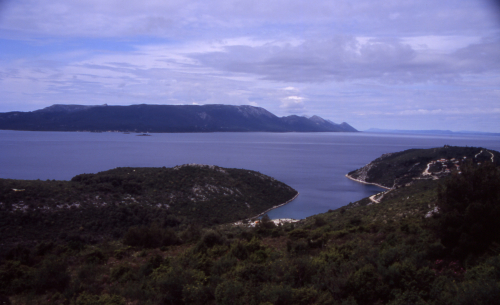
{"type": "Point", "coordinates": [293, 104]}
{"type": "Point", "coordinates": [417, 60]}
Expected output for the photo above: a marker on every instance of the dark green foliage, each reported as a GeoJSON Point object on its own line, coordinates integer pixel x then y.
{"type": "Point", "coordinates": [122, 273]}
{"type": "Point", "coordinates": [266, 223]}
{"type": "Point", "coordinates": [51, 275]}
{"type": "Point", "coordinates": [20, 253]}
{"type": "Point", "coordinates": [154, 262]}
{"type": "Point", "coordinates": [4, 300]}
{"type": "Point", "coordinates": [92, 207]}
{"type": "Point", "coordinates": [88, 299]}
{"type": "Point", "coordinates": [230, 292]}
{"type": "Point", "coordinates": [174, 285]}
{"type": "Point", "coordinates": [209, 239]}
{"type": "Point", "coordinates": [14, 277]}
{"type": "Point", "coordinates": [469, 206]}
{"type": "Point", "coordinates": [95, 257]}
{"type": "Point", "coordinates": [399, 168]}
{"type": "Point", "coordinates": [385, 253]}
{"type": "Point", "coordinates": [150, 237]}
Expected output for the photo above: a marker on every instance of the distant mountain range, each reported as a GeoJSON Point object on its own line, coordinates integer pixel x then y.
{"type": "Point", "coordinates": [164, 118]}
{"type": "Point", "coordinates": [431, 132]}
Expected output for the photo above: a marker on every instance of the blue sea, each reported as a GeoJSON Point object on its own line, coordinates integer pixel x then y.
{"type": "Point", "coordinates": [315, 164]}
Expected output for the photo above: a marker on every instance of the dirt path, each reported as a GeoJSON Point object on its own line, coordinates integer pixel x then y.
{"type": "Point", "coordinates": [374, 198]}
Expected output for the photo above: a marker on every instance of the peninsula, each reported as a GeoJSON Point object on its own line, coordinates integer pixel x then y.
{"type": "Point", "coordinates": [399, 168]}
{"type": "Point", "coordinates": [107, 204]}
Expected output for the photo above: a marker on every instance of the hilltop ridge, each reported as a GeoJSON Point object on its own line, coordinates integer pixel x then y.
{"type": "Point", "coordinates": [108, 203]}
{"type": "Point", "coordinates": [164, 118]}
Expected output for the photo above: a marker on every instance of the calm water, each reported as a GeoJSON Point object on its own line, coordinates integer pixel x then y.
{"type": "Point", "coordinates": [312, 163]}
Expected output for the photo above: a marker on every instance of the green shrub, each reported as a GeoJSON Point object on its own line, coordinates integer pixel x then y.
{"type": "Point", "coordinates": [363, 284]}
{"type": "Point", "coordinates": [469, 206]}
{"type": "Point", "coordinates": [223, 265]}
{"type": "Point", "coordinates": [276, 294]}
{"type": "Point", "coordinates": [89, 299]}
{"type": "Point", "coordinates": [122, 273]}
{"type": "Point", "coordinates": [209, 239]}
{"type": "Point", "coordinates": [86, 278]}
{"type": "Point", "coordinates": [95, 257]}
{"type": "Point", "coordinates": [230, 293]}
{"type": "Point", "coordinates": [304, 295]}
{"type": "Point", "coordinates": [4, 300]}
{"type": "Point", "coordinates": [20, 253]}
{"type": "Point", "coordinates": [14, 277]}
{"type": "Point", "coordinates": [171, 282]}
{"type": "Point", "coordinates": [154, 262]}
{"type": "Point", "coordinates": [150, 237]}
{"type": "Point", "coordinates": [51, 275]}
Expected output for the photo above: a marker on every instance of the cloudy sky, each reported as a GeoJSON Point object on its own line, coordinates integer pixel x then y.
{"type": "Point", "coordinates": [412, 64]}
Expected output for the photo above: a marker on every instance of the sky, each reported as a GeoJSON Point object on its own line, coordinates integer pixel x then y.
{"type": "Point", "coordinates": [391, 64]}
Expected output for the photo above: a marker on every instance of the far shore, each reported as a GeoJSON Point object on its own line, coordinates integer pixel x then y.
{"type": "Point", "coordinates": [370, 183]}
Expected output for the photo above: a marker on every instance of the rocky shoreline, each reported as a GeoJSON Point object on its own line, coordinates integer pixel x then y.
{"type": "Point", "coordinates": [364, 182]}
{"type": "Point", "coordinates": [274, 207]}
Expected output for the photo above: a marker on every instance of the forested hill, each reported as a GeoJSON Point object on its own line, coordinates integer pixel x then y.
{"type": "Point", "coordinates": [398, 168]}
{"type": "Point", "coordinates": [108, 203]}
{"type": "Point", "coordinates": [420, 244]}
{"type": "Point", "coordinates": [164, 118]}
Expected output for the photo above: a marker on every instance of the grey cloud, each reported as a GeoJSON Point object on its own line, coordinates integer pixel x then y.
{"type": "Point", "coordinates": [343, 59]}
{"type": "Point", "coordinates": [479, 58]}
{"type": "Point", "coordinates": [97, 18]}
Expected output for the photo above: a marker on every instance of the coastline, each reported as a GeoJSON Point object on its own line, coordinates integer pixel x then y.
{"type": "Point", "coordinates": [276, 206]}
{"type": "Point", "coordinates": [370, 183]}
{"type": "Point", "coordinates": [272, 208]}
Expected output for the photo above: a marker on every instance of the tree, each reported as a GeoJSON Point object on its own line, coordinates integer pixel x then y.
{"type": "Point", "coordinates": [469, 205]}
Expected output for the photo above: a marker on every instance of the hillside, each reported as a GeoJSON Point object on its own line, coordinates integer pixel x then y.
{"type": "Point", "coordinates": [431, 242]}
{"type": "Point", "coordinates": [396, 169]}
{"type": "Point", "coordinates": [164, 118]}
{"type": "Point", "coordinates": [106, 204]}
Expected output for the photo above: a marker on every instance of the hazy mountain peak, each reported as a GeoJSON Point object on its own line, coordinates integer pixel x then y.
{"type": "Point", "coordinates": [67, 108]}
{"type": "Point", "coordinates": [318, 119]}
{"type": "Point", "coordinates": [164, 118]}
{"type": "Point", "coordinates": [248, 111]}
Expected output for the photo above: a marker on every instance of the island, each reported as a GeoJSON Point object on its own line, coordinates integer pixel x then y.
{"type": "Point", "coordinates": [164, 118]}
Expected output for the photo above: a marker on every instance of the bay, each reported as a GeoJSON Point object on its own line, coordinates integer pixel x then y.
{"type": "Point", "coordinates": [315, 164]}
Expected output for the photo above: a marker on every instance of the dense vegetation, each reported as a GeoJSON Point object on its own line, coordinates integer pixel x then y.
{"type": "Point", "coordinates": [393, 252]}
{"type": "Point", "coordinates": [470, 211]}
{"type": "Point", "coordinates": [394, 169]}
{"type": "Point", "coordinates": [91, 207]}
